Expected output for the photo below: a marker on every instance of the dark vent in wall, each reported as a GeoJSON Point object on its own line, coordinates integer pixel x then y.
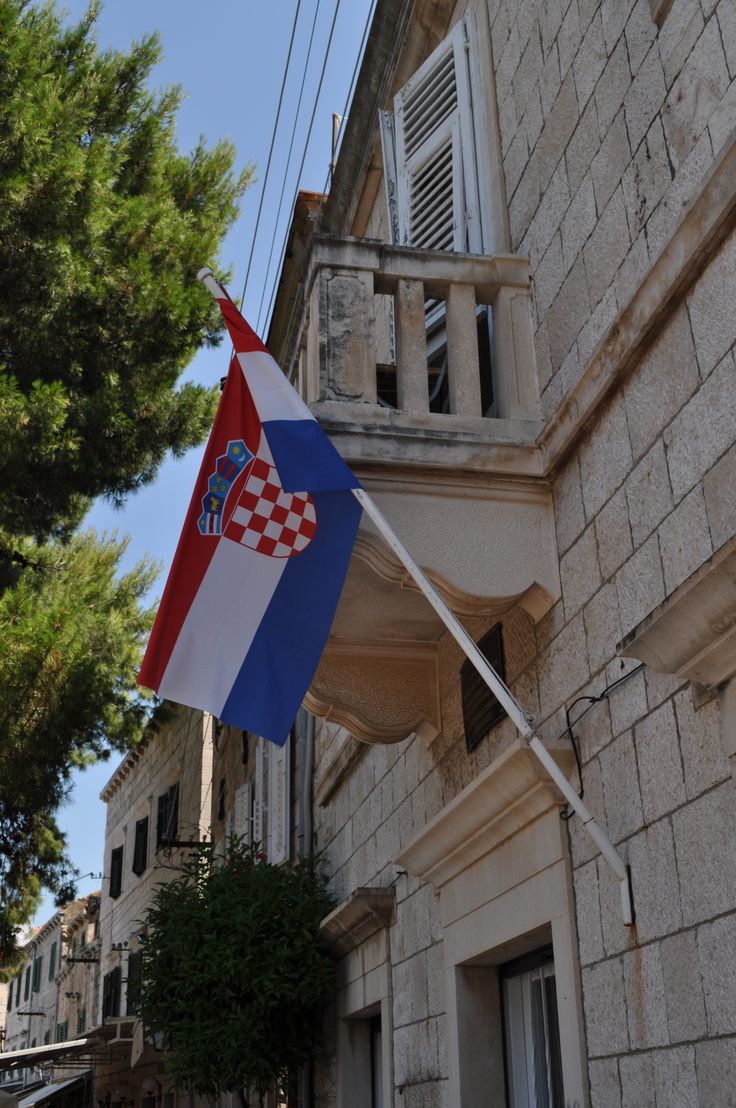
{"type": "Point", "coordinates": [481, 709]}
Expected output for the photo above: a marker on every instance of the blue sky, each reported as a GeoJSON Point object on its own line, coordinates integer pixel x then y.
{"type": "Point", "coordinates": [229, 58]}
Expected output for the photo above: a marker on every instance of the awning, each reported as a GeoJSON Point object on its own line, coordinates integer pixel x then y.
{"type": "Point", "coordinates": [34, 1055]}
{"type": "Point", "coordinates": [47, 1093]}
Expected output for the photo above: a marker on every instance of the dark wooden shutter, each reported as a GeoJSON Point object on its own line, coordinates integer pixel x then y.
{"type": "Point", "coordinates": [37, 967]}
{"type": "Point", "coordinates": [140, 852]}
{"type": "Point", "coordinates": [167, 823]}
{"type": "Point", "coordinates": [161, 818]}
{"type": "Point", "coordinates": [481, 709]}
{"type": "Point", "coordinates": [116, 872]}
{"type": "Point", "coordinates": [27, 986]}
{"type": "Point", "coordinates": [116, 977]}
{"type": "Point", "coordinates": [135, 966]}
{"type": "Point", "coordinates": [52, 962]}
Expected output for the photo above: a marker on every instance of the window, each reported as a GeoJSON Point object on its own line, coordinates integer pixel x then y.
{"type": "Point", "coordinates": [46, 1038]}
{"type": "Point", "coordinates": [481, 709]}
{"type": "Point", "coordinates": [140, 850]}
{"type": "Point", "coordinates": [431, 143]}
{"type": "Point", "coordinates": [27, 985]}
{"type": "Point", "coordinates": [116, 874]}
{"type": "Point", "coordinates": [37, 967]}
{"type": "Point", "coordinates": [111, 993]}
{"type": "Point", "coordinates": [52, 961]}
{"type": "Point", "coordinates": [531, 1032]}
{"type": "Point", "coordinates": [221, 800]}
{"type": "Point", "coordinates": [81, 1021]}
{"type": "Point", "coordinates": [167, 824]}
{"type": "Point", "coordinates": [376, 1063]}
{"type": "Point", "coordinates": [18, 988]}
{"type": "Point", "coordinates": [62, 1030]}
{"type": "Point", "coordinates": [10, 996]}
{"type": "Point", "coordinates": [135, 965]}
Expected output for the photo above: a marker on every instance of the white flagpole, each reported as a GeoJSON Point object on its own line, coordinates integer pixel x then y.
{"type": "Point", "coordinates": [523, 721]}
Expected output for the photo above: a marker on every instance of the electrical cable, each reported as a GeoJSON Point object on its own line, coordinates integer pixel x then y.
{"type": "Point", "coordinates": [291, 147]}
{"type": "Point", "coordinates": [568, 732]}
{"type": "Point", "coordinates": [348, 99]}
{"type": "Point", "coordinates": [304, 156]}
{"type": "Point", "coordinates": [270, 153]}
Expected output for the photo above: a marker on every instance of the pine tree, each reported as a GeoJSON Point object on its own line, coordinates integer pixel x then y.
{"type": "Point", "coordinates": [103, 227]}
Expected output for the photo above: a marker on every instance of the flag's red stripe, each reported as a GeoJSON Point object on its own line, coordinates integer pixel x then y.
{"type": "Point", "coordinates": [236, 419]}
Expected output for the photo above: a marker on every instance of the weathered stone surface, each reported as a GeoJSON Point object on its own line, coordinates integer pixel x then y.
{"type": "Point", "coordinates": [515, 160]}
{"type": "Point", "coordinates": [568, 499]}
{"type": "Point", "coordinates": [549, 214]}
{"type": "Point", "coordinates": [550, 80]}
{"type": "Point", "coordinates": [661, 384]}
{"type": "Point", "coordinates": [717, 957]}
{"type": "Point", "coordinates": [597, 325]}
{"type": "Point", "coordinates": [605, 458]}
{"type": "Point", "coordinates": [647, 178]}
{"type": "Point", "coordinates": [607, 247]}
{"type": "Point", "coordinates": [695, 94]}
{"type": "Point", "coordinates": [703, 430]}
{"type": "Point", "coordinates": [714, 327]}
{"type": "Point", "coordinates": [655, 882]}
{"type": "Point", "coordinates": [637, 1081]}
{"type": "Point", "coordinates": [644, 98]}
{"type": "Point", "coordinates": [579, 572]}
{"type": "Point", "coordinates": [716, 1065]}
{"type": "Point", "coordinates": [621, 788]}
{"type": "Point", "coordinates": [684, 539]}
{"type": "Point", "coordinates": [640, 33]}
{"type": "Point", "coordinates": [675, 1079]}
{"type": "Point", "coordinates": [645, 997]}
{"type": "Point", "coordinates": [640, 584]}
{"type": "Point", "coordinates": [605, 1008]}
{"type": "Point", "coordinates": [605, 1088]}
{"type": "Point", "coordinates": [707, 871]}
{"type": "Point", "coordinates": [527, 73]}
{"type": "Point", "coordinates": [568, 313]}
{"type": "Point", "coordinates": [590, 61]}
{"type": "Point", "coordinates": [702, 746]}
{"type": "Point", "coordinates": [612, 87]}
{"type": "Point", "coordinates": [583, 847]}
{"type": "Point", "coordinates": [563, 667]}
{"type": "Point", "coordinates": [557, 130]}
{"type": "Point", "coordinates": [660, 766]}
{"type": "Point", "coordinates": [548, 277]}
{"type": "Point", "coordinates": [525, 201]}
{"type": "Point", "coordinates": [678, 34]}
{"type": "Point", "coordinates": [683, 989]}
{"type": "Point", "coordinates": [611, 161]}
{"type": "Point", "coordinates": [578, 223]}
{"type": "Point", "coordinates": [617, 937]}
{"type": "Point", "coordinates": [719, 487]}
{"type": "Point", "coordinates": [602, 626]}
{"type": "Point", "coordinates": [628, 701]}
{"type": "Point", "coordinates": [568, 39]}
{"type": "Point", "coordinates": [613, 530]}
{"type": "Point", "coordinates": [588, 912]}
{"type": "Point", "coordinates": [582, 146]}
{"type": "Point", "coordinates": [648, 493]}
{"type": "Point", "coordinates": [727, 27]}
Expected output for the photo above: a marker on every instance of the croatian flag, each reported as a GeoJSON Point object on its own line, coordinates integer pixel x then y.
{"type": "Point", "coordinates": [263, 555]}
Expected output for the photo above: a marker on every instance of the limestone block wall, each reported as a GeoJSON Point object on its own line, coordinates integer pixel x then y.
{"type": "Point", "coordinates": [181, 750]}
{"type": "Point", "coordinates": [608, 125]}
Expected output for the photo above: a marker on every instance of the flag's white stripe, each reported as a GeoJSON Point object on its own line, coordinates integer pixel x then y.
{"type": "Point", "coordinates": [220, 626]}
{"type": "Point", "coordinates": [272, 394]}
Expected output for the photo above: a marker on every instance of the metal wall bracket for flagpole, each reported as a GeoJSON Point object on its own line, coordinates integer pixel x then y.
{"type": "Point", "coordinates": [522, 720]}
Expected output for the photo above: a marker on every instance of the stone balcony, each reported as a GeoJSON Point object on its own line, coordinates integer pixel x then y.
{"type": "Point", "coordinates": [464, 491]}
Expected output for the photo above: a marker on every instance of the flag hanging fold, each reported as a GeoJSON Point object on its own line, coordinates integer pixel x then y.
{"type": "Point", "coordinates": [262, 557]}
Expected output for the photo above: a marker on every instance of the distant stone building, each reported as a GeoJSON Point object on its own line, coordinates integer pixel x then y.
{"type": "Point", "coordinates": [514, 315]}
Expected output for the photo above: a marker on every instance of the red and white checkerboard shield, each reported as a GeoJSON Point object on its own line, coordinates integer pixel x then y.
{"type": "Point", "coordinates": [267, 519]}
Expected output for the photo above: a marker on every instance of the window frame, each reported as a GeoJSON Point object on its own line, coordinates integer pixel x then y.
{"type": "Point", "coordinates": [139, 864]}
{"type": "Point", "coordinates": [116, 874]}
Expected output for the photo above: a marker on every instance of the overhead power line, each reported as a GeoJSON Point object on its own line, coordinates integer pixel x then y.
{"type": "Point", "coordinates": [270, 151]}
{"type": "Point", "coordinates": [348, 99]}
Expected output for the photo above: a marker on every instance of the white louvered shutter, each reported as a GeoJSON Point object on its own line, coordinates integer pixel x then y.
{"type": "Point", "coordinates": [429, 147]}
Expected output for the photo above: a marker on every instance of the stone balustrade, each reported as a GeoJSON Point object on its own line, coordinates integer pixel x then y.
{"type": "Point", "coordinates": [346, 281]}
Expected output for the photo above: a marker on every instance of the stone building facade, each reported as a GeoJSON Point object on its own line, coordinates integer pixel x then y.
{"type": "Point", "coordinates": [572, 165]}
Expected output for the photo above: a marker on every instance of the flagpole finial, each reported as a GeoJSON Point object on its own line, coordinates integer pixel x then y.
{"type": "Point", "coordinates": [204, 274]}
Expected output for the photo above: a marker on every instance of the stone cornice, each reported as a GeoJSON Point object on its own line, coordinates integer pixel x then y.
{"type": "Point", "coordinates": [706, 221]}
{"type": "Point", "coordinates": [365, 912]}
{"type": "Point", "coordinates": [512, 792]}
{"type": "Point", "coordinates": [692, 633]}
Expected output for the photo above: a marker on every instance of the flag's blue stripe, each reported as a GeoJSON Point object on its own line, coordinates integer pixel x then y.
{"type": "Point", "coordinates": [286, 649]}
{"type": "Point", "coordinates": [305, 458]}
